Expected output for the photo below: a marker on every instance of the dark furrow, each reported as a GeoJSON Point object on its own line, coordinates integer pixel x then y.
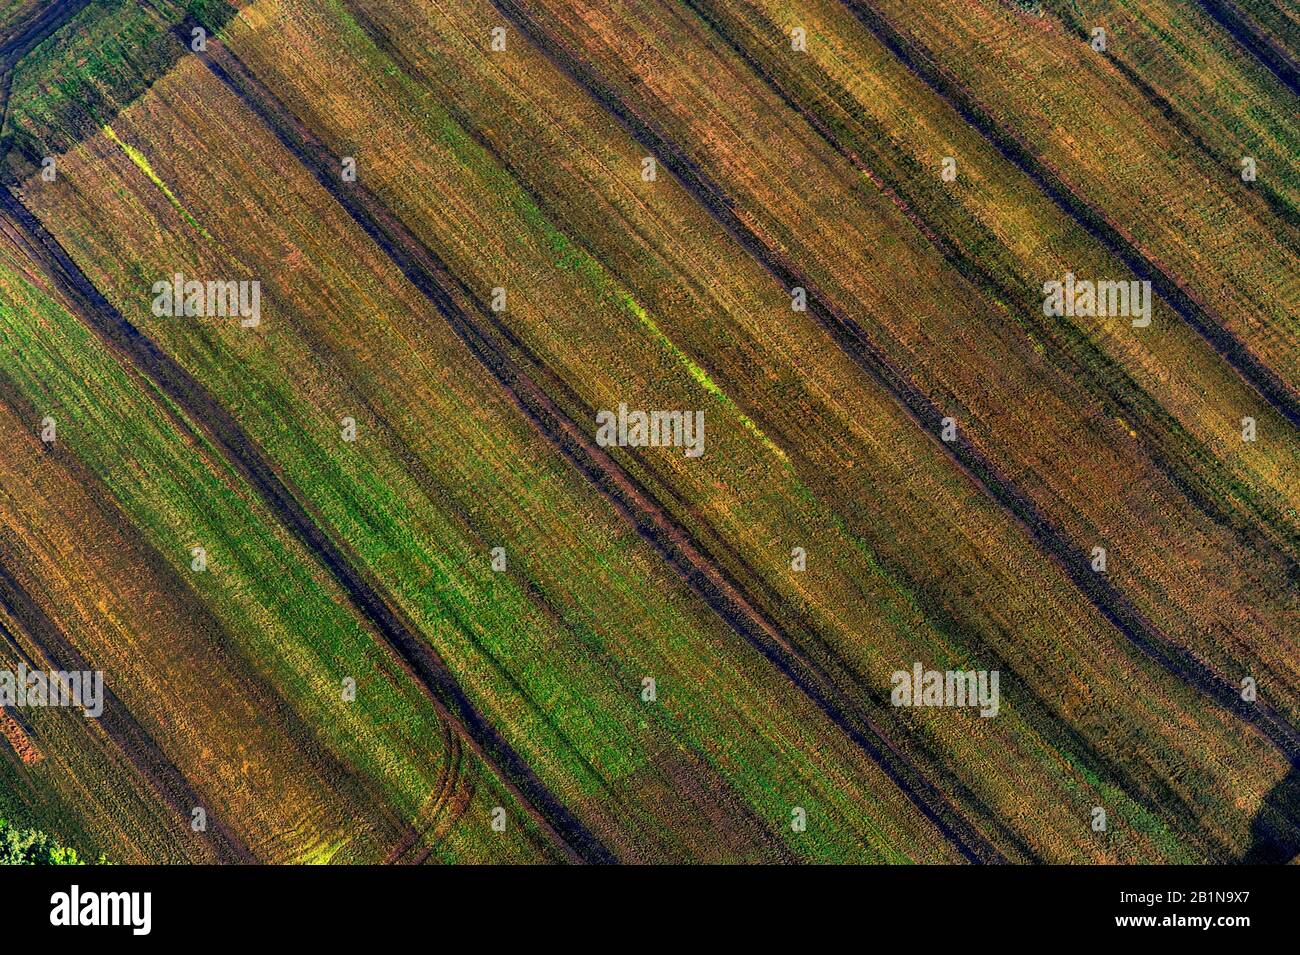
{"type": "Point", "coordinates": [426, 272]}
{"type": "Point", "coordinates": [857, 345]}
{"type": "Point", "coordinates": [6, 87]}
{"type": "Point", "coordinates": [30, 34]}
{"type": "Point", "coordinates": [365, 594]}
{"type": "Point", "coordinates": [1270, 386]}
{"type": "Point", "coordinates": [1262, 189]}
{"type": "Point", "coordinates": [1256, 42]}
{"type": "Point", "coordinates": [36, 29]}
{"type": "Point", "coordinates": [119, 725]}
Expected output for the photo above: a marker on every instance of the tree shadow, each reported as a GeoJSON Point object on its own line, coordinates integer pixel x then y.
{"type": "Point", "coordinates": [1275, 830]}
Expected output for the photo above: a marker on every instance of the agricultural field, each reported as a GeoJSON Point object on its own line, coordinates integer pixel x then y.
{"type": "Point", "coordinates": [541, 431]}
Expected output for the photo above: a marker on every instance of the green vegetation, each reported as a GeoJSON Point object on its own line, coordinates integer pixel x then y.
{"type": "Point", "coordinates": [33, 847]}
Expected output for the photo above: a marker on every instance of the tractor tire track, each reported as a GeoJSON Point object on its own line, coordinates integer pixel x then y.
{"type": "Point", "coordinates": [30, 34]}
{"type": "Point", "coordinates": [1274, 57]}
{"type": "Point", "coordinates": [448, 780]}
{"type": "Point", "coordinates": [36, 30]}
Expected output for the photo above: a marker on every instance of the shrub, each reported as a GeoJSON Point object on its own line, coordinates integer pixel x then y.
{"type": "Point", "coordinates": [33, 847]}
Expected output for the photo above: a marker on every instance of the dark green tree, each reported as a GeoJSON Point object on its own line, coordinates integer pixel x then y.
{"type": "Point", "coordinates": [33, 847]}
